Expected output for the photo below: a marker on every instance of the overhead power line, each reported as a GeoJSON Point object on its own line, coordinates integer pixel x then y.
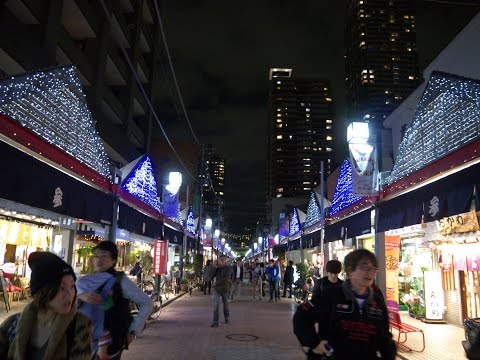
{"type": "Point", "coordinates": [164, 38]}
{"type": "Point", "coordinates": [129, 62]}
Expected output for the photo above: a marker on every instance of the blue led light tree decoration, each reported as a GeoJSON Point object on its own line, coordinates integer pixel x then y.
{"type": "Point", "coordinates": [141, 183]}
{"type": "Point", "coordinates": [294, 223]}
{"type": "Point", "coordinates": [52, 104]}
{"type": "Point", "coordinates": [446, 119]}
{"type": "Point", "coordinates": [343, 196]}
{"type": "Point", "coordinates": [314, 214]}
{"type": "Point", "coordinates": [190, 223]}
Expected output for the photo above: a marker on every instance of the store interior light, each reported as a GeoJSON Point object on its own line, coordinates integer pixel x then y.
{"type": "Point", "coordinates": [260, 239]}
{"type": "Point", "coordinates": [216, 233]}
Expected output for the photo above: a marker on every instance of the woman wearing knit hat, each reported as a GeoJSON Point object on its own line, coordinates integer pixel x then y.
{"type": "Point", "coordinates": [49, 327]}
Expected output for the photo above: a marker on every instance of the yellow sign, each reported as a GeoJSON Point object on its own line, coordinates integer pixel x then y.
{"type": "Point", "coordinates": [460, 223]}
{"type": "Point", "coordinates": [392, 258]}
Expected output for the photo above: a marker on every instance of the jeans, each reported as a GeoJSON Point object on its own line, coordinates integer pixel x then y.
{"type": "Point", "coordinates": [236, 289]}
{"type": "Point", "coordinates": [274, 289]}
{"type": "Point", "coordinates": [216, 305]}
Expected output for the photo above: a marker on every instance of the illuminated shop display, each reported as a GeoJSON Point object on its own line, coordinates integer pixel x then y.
{"type": "Point", "coordinates": [447, 118]}
{"type": "Point", "coordinates": [52, 104]}
{"type": "Point", "coordinates": [343, 196]}
{"type": "Point", "coordinates": [141, 183]}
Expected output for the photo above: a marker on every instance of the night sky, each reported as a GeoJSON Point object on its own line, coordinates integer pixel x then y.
{"type": "Point", "coordinates": [222, 52]}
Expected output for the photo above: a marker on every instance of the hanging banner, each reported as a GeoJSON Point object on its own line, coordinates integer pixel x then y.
{"type": "Point", "coordinates": [160, 257]}
{"type": "Point", "coordinates": [283, 226]}
{"type": "Point", "coordinates": [364, 169]}
{"type": "Point", "coordinates": [433, 295]}
{"type": "Point", "coordinates": [392, 257]}
{"type": "Point", "coordinates": [170, 204]}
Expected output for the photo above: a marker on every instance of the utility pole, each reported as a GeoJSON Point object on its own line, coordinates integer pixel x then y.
{"type": "Point", "coordinates": [322, 213]}
{"type": "Point", "coordinates": [184, 246]}
{"type": "Point", "coordinates": [200, 183]}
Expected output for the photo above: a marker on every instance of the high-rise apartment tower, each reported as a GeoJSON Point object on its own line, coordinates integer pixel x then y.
{"type": "Point", "coordinates": [381, 57]}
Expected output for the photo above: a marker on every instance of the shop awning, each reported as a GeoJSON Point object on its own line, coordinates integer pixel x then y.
{"type": "Point", "coordinates": [172, 235]}
{"type": "Point", "coordinates": [449, 196]}
{"type": "Point", "coordinates": [293, 245]}
{"type": "Point", "coordinates": [32, 182]}
{"type": "Point", "coordinates": [138, 223]}
{"type": "Point", "coordinates": [358, 224]}
{"type": "Point", "coordinates": [311, 240]}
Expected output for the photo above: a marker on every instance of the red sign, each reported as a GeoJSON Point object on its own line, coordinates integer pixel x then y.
{"type": "Point", "coordinates": [160, 257]}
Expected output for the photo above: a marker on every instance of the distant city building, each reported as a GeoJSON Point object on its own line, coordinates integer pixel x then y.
{"type": "Point", "coordinates": [214, 184]}
{"type": "Point", "coordinates": [381, 57]}
{"type": "Point", "coordinates": [300, 136]}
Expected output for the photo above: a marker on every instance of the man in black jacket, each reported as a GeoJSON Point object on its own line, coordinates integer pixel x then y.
{"type": "Point", "coordinates": [288, 279]}
{"type": "Point", "coordinates": [352, 318]}
{"type": "Point", "coordinates": [223, 283]}
{"type": "Point", "coordinates": [237, 278]}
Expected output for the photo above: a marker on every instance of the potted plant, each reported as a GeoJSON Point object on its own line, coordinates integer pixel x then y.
{"type": "Point", "coordinates": [184, 285]}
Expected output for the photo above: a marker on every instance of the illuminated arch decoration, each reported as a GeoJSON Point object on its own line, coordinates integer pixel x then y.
{"type": "Point", "coordinates": [141, 183]}
{"type": "Point", "coordinates": [52, 104]}
{"type": "Point", "coordinates": [447, 118]}
{"type": "Point", "coordinates": [294, 223]}
{"type": "Point", "coordinates": [314, 215]}
{"type": "Point", "coordinates": [343, 196]}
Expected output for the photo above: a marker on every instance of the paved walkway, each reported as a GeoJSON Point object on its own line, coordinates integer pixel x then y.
{"type": "Point", "coordinates": [257, 330]}
{"type": "Point", "coordinates": [443, 341]}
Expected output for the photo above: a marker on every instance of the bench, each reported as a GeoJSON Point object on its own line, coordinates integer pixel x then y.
{"type": "Point", "coordinates": [405, 329]}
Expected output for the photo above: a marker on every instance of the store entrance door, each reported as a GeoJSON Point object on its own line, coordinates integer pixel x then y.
{"type": "Point", "coordinates": [470, 294]}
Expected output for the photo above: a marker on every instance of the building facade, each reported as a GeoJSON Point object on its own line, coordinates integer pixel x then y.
{"type": "Point", "coordinates": [43, 34]}
{"type": "Point", "coordinates": [381, 65]}
{"type": "Point", "coordinates": [300, 136]}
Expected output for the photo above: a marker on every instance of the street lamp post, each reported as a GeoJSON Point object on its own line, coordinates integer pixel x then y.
{"type": "Point", "coordinates": [360, 138]}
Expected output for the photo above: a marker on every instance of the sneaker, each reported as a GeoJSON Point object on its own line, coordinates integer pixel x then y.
{"type": "Point", "coordinates": [214, 325]}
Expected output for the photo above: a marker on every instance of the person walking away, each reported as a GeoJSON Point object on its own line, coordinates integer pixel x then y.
{"type": "Point", "coordinates": [221, 289]}
{"type": "Point", "coordinates": [118, 320]}
{"type": "Point", "coordinates": [257, 273]}
{"type": "Point", "coordinates": [352, 318]}
{"type": "Point", "coordinates": [207, 277]}
{"type": "Point", "coordinates": [333, 268]}
{"type": "Point", "coordinates": [237, 278]}
{"type": "Point", "coordinates": [288, 279]}
{"type": "Point", "coordinates": [272, 275]}
{"type": "Point", "coordinates": [277, 283]}
{"type": "Point", "coordinates": [49, 327]}
{"type": "Point", "coordinates": [137, 270]}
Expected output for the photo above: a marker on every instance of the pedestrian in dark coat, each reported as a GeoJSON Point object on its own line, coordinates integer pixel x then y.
{"type": "Point", "coordinates": [288, 279]}
{"type": "Point", "coordinates": [352, 318]}
{"type": "Point", "coordinates": [223, 284]}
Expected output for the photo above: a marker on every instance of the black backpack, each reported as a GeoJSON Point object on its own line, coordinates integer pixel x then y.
{"type": "Point", "coordinates": [118, 318]}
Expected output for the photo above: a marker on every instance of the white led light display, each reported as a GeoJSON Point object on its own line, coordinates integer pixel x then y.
{"type": "Point", "coordinates": [141, 184]}
{"type": "Point", "coordinates": [314, 214]}
{"type": "Point", "coordinates": [343, 196]}
{"type": "Point", "coordinates": [447, 118]}
{"type": "Point", "coordinates": [294, 223]}
{"type": "Point", "coordinates": [52, 104]}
